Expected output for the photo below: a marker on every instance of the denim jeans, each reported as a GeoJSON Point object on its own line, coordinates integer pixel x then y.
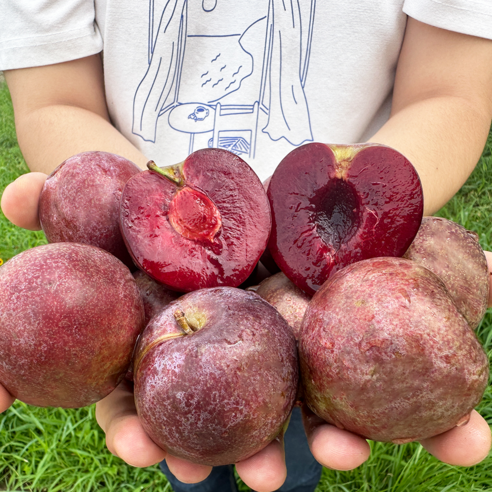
{"type": "Point", "coordinates": [303, 471]}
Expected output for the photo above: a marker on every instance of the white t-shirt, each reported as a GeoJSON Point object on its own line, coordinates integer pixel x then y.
{"type": "Point", "coordinates": [257, 77]}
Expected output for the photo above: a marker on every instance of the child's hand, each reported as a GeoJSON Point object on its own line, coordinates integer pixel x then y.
{"type": "Point", "coordinates": [341, 450]}
{"type": "Point", "coordinates": [125, 438]}
{"type": "Point", "coordinates": [20, 200]}
{"type": "Point", "coordinates": [6, 399]}
{"type": "Point", "coordinates": [333, 448]}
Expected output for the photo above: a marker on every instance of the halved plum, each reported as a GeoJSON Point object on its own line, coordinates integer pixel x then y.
{"type": "Point", "coordinates": [202, 223]}
{"type": "Point", "coordinates": [333, 205]}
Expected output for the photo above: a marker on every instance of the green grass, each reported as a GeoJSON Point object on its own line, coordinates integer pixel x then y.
{"type": "Point", "coordinates": [64, 450]}
{"type": "Point", "coordinates": [55, 449]}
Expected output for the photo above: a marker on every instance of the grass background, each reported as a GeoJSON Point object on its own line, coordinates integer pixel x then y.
{"type": "Point", "coordinates": [57, 449]}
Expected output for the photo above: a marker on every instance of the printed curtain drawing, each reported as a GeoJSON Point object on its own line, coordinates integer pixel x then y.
{"type": "Point", "coordinates": [288, 114]}
{"type": "Point", "coordinates": [162, 76]}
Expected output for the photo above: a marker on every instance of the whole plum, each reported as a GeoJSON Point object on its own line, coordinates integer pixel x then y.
{"type": "Point", "coordinates": [454, 254]}
{"type": "Point", "coordinates": [385, 353]}
{"type": "Point", "coordinates": [215, 375]}
{"type": "Point", "coordinates": [80, 201]}
{"type": "Point", "coordinates": [69, 320]}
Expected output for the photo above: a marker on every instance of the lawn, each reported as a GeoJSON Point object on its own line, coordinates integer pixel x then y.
{"type": "Point", "coordinates": [55, 449]}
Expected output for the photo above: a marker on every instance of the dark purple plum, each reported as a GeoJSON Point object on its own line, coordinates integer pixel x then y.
{"type": "Point", "coordinates": [80, 201]}
{"type": "Point", "coordinates": [155, 296]}
{"type": "Point", "coordinates": [456, 257]}
{"type": "Point", "coordinates": [385, 353]}
{"type": "Point", "coordinates": [216, 375]}
{"type": "Point", "coordinates": [71, 314]}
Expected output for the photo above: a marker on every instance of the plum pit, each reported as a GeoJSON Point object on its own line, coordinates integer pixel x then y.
{"type": "Point", "coordinates": [193, 215]}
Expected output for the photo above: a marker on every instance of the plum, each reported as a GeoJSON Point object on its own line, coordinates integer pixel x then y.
{"type": "Point", "coordinates": [333, 205]}
{"type": "Point", "coordinates": [155, 296]}
{"type": "Point", "coordinates": [290, 301]}
{"type": "Point", "coordinates": [71, 314]}
{"type": "Point", "coordinates": [80, 201]}
{"type": "Point", "coordinates": [216, 375]}
{"type": "Point", "coordinates": [456, 257]}
{"type": "Point", "coordinates": [202, 223]}
{"type": "Point", "coordinates": [385, 353]}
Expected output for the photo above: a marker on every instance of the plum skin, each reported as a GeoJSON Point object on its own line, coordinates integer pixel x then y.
{"type": "Point", "coordinates": [80, 201]}
{"type": "Point", "coordinates": [71, 314]}
{"type": "Point", "coordinates": [290, 301]}
{"type": "Point", "coordinates": [454, 254]}
{"type": "Point", "coordinates": [223, 393]}
{"type": "Point", "coordinates": [155, 296]}
{"type": "Point", "coordinates": [385, 353]}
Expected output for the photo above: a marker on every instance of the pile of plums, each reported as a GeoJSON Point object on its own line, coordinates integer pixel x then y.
{"type": "Point", "coordinates": [144, 277]}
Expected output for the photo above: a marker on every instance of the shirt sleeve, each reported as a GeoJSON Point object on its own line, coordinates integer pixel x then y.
{"type": "Point", "coordinates": [42, 32]}
{"type": "Point", "coordinates": [473, 17]}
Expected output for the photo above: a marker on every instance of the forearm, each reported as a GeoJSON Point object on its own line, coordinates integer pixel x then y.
{"type": "Point", "coordinates": [49, 135]}
{"type": "Point", "coordinates": [442, 107]}
{"type": "Point", "coordinates": [443, 137]}
{"type": "Point", "coordinates": [60, 110]}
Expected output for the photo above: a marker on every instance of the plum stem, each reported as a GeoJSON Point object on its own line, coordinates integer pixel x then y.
{"type": "Point", "coordinates": [183, 323]}
{"type": "Point", "coordinates": [172, 173]}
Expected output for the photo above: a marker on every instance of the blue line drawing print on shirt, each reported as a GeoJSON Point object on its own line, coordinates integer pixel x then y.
{"type": "Point", "coordinates": [237, 72]}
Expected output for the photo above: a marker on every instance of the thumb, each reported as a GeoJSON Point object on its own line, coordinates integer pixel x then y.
{"type": "Point", "coordinates": [6, 399]}
{"type": "Point", "coordinates": [20, 200]}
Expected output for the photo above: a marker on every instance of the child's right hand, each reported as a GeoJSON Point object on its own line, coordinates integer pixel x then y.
{"type": "Point", "coordinates": [20, 205]}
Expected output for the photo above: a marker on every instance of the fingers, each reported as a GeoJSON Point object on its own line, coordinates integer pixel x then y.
{"type": "Point", "coordinates": [488, 255]}
{"type": "Point", "coordinates": [20, 200]}
{"type": "Point", "coordinates": [265, 471]}
{"type": "Point", "coordinates": [332, 447]}
{"type": "Point", "coordinates": [6, 399]}
{"type": "Point", "coordinates": [125, 437]}
{"type": "Point", "coordinates": [462, 446]}
{"type": "Point", "coordinates": [187, 472]}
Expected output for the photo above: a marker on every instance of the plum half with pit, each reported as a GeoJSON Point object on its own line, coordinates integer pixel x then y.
{"type": "Point", "coordinates": [333, 205]}
{"type": "Point", "coordinates": [80, 201]}
{"type": "Point", "coordinates": [71, 314]}
{"type": "Point", "coordinates": [216, 375]}
{"type": "Point", "coordinates": [385, 353]}
{"type": "Point", "coordinates": [202, 223]}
